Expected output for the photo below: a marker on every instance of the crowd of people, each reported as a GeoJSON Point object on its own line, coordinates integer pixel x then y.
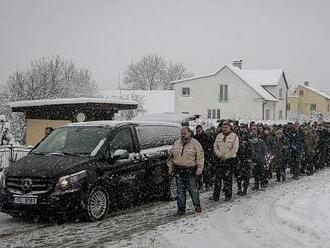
{"type": "Point", "coordinates": [235, 152]}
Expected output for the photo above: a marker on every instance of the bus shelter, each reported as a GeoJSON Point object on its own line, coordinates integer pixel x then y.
{"type": "Point", "coordinates": [40, 114]}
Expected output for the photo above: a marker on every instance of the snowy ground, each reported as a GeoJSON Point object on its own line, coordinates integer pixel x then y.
{"type": "Point", "coordinates": [291, 214]}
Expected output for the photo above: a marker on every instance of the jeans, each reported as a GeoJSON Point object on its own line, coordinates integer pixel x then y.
{"type": "Point", "coordinates": [186, 179]}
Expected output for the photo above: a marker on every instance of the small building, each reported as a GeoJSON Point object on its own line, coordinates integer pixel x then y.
{"type": "Point", "coordinates": [40, 114]}
{"type": "Point", "coordinates": [307, 101]}
{"type": "Point", "coordinates": [234, 93]}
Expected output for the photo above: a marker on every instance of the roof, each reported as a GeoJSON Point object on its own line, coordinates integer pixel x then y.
{"type": "Point", "coordinates": [256, 79]}
{"type": "Point", "coordinates": [62, 101]}
{"type": "Point", "coordinates": [264, 77]}
{"type": "Point", "coordinates": [257, 87]}
{"type": "Point", "coordinates": [315, 90]}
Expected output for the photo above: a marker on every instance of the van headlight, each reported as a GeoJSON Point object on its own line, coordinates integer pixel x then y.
{"type": "Point", "coordinates": [2, 181]}
{"type": "Point", "coordinates": [69, 180]}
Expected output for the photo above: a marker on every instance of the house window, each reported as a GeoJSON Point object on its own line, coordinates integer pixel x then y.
{"type": "Point", "coordinates": [288, 106]}
{"type": "Point", "coordinates": [209, 114]}
{"type": "Point", "coordinates": [213, 113]}
{"type": "Point", "coordinates": [313, 107]}
{"type": "Point", "coordinates": [280, 93]}
{"type": "Point", "coordinates": [186, 91]}
{"type": "Point", "coordinates": [267, 114]}
{"type": "Point", "coordinates": [218, 113]}
{"type": "Point", "coordinates": [280, 115]}
{"type": "Point", "coordinates": [223, 94]}
{"type": "Point", "coordinates": [301, 92]}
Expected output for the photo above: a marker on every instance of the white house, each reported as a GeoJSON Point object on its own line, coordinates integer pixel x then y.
{"type": "Point", "coordinates": [234, 93]}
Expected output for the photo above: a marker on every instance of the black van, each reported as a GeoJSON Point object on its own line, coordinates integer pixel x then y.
{"type": "Point", "coordinates": [89, 168]}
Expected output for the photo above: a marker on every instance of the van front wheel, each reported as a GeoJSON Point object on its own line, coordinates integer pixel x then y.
{"type": "Point", "coordinates": [97, 203]}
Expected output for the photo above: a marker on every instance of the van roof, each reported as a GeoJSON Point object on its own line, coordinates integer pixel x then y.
{"type": "Point", "coordinates": [120, 123]}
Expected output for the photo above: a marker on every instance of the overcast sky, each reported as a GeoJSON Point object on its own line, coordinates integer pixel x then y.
{"type": "Point", "coordinates": [204, 35]}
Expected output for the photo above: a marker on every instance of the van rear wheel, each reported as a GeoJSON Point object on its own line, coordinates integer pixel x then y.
{"type": "Point", "coordinates": [97, 203]}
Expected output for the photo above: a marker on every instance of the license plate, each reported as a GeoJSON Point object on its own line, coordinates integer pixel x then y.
{"type": "Point", "coordinates": [29, 200]}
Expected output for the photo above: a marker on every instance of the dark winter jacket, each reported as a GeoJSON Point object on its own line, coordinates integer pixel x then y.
{"type": "Point", "coordinates": [281, 149]}
{"type": "Point", "coordinates": [259, 149]}
{"type": "Point", "coordinates": [297, 140]}
{"type": "Point", "coordinates": [205, 141]}
{"type": "Point", "coordinates": [270, 143]}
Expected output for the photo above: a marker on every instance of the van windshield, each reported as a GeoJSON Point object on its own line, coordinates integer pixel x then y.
{"type": "Point", "coordinates": [77, 140]}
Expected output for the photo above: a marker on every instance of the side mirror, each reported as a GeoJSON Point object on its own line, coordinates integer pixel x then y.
{"type": "Point", "coordinates": [120, 154]}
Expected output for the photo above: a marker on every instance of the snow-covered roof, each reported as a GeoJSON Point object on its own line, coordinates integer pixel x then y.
{"type": "Point", "coordinates": [257, 87]}
{"type": "Point", "coordinates": [316, 91]}
{"type": "Point", "coordinates": [61, 101]}
{"type": "Point", "coordinates": [263, 77]}
{"type": "Point", "coordinates": [256, 79]}
{"type": "Point", "coordinates": [193, 78]}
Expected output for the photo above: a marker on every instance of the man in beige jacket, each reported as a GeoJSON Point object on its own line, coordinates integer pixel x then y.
{"type": "Point", "coordinates": [225, 147]}
{"type": "Point", "coordinates": [186, 162]}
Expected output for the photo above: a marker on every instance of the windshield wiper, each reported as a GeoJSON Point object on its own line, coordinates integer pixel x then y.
{"type": "Point", "coordinates": [38, 153]}
{"type": "Point", "coordinates": [67, 153]}
{"type": "Point", "coordinates": [56, 153]}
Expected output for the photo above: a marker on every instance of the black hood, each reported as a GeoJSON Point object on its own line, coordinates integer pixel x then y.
{"type": "Point", "coordinates": [47, 166]}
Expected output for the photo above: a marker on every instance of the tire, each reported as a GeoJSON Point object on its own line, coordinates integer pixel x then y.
{"type": "Point", "coordinates": [97, 203]}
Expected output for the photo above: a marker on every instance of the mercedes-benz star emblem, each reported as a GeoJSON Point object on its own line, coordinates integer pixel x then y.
{"type": "Point", "coordinates": [26, 184]}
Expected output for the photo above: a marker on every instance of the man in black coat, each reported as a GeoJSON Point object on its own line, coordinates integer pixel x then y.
{"type": "Point", "coordinates": [296, 138]}
{"type": "Point", "coordinates": [258, 157]}
{"type": "Point", "coordinates": [207, 144]}
{"type": "Point", "coordinates": [244, 163]}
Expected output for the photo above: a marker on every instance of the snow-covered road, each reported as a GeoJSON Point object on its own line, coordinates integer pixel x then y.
{"type": "Point", "coordinates": [290, 214]}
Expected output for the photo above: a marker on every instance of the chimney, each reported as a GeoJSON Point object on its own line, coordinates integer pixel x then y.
{"type": "Point", "coordinates": [238, 63]}
{"type": "Point", "coordinates": [306, 83]}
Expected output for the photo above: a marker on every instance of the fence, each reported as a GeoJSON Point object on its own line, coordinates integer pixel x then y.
{"type": "Point", "coordinates": [9, 154]}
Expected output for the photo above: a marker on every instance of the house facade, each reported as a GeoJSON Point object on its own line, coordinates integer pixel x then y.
{"type": "Point", "coordinates": [307, 101]}
{"type": "Point", "coordinates": [234, 93]}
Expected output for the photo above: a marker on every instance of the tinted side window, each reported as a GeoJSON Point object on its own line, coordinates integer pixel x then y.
{"type": "Point", "coordinates": [156, 136]}
{"type": "Point", "coordinates": [171, 134]}
{"type": "Point", "coordinates": [123, 140]}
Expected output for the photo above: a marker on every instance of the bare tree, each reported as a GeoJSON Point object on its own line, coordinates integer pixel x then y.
{"type": "Point", "coordinates": [153, 72]}
{"type": "Point", "coordinates": [175, 72]}
{"type": "Point", "coordinates": [130, 114]}
{"type": "Point", "coordinates": [47, 78]}
{"type": "Point", "coordinates": [50, 78]}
